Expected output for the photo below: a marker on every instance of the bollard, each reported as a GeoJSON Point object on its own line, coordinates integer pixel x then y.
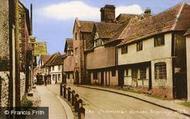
{"type": "Point", "coordinates": [81, 114]}
{"type": "Point", "coordinates": [80, 103]}
{"type": "Point", "coordinates": [64, 90]}
{"type": "Point", "coordinates": [76, 103]}
{"type": "Point", "coordinates": [73, 97]}
{"type": "Point", "coordinates": [61, 90]}
{"type": "Point", "coordinates": [69, 94]}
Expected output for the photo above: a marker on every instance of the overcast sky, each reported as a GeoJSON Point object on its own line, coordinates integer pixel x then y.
{"type": "Point", "coordinates": [53, 19]}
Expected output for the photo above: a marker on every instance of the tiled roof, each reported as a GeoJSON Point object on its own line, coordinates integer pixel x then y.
{"type": "Point", "coordinates": [58, 60]}
{"type": "Point", "coordinates": [86, 26]}
{"type": "Point", "coordinates": [106, 30]}
{"type": "Point", "coordinates": [175, 18]}
{"type": "Point", "coordinates": [123, 18]}
{"type": "Point", "coordinates": [55, 59]}
{"type": "Point", "coordinates": [45, 58]}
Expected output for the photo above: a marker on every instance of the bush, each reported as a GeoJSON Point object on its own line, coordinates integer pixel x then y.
{"type": "Point", "coordinates": [26, 103]}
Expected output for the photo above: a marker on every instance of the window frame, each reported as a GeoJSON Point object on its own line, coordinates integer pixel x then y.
{"type": "Point", "coordinates": [160, 71]}
{"type": "Point", "coordinates": [124, 49]}
{"type": "Point", "coordinates": [159, 40]}
{"type": "Point", "coordinates": [139, 45]}
{"type": "Point", "coordinates": [143, 73]}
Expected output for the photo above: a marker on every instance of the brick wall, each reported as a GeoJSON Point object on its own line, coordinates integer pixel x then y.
{"type": "Point", "coordinates": [4, 53]}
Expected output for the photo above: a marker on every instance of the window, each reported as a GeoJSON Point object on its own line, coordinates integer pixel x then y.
{"type": "Point", "coordinates": [124, 49]}
{"type": "Point", "coordinates": [95, 75]}
{"type": "Point", "coordinates": [160, 70]}
{"type": "Point", "coordinates": [52, 68]}
{"type": "Point", "coordinates": [59, 77]}
{"type": "Point", "coordinates": [134, 74]}
{"type": "Point", "coordinates": [113, 72]}
{"type": "Point", "coordinates": [59, 67]}
{"type": "Point", "coordinates": [139, 45]}
{"type": "Point", "coordinates": [159, 40]}
{"type": "Point", "coordinates": [126, 72]}
{"type": "Point", "coordinates": [143, 73]}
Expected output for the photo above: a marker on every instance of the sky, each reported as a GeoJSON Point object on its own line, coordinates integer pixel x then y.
{"type": "Point", "coordinates": [53, 19]}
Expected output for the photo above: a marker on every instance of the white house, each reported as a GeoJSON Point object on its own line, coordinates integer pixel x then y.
{"type": "Point", "coordinates": [152, 54]}
{"type": "Point", "coordinates": [54, 68]}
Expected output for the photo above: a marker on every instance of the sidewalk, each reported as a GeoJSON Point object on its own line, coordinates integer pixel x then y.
{"type": "Point", "coordinates": [167, 104]}
{"type": "Point", "coordinates": [58, 109]}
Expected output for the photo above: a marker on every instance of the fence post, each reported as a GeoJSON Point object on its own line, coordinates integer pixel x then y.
{"type": "Point", "coordinates": [69, 94]}
{"type": "Point", "coordinates": [73, 97]}
{"type": "Point", "coordinates": [81, 114]}
{"type": "Point", "coordinates": [64, 87]}
{"type": "Point", "coordinates": [76, 103]}
{"type": "Point", "coordinates": [61, 90]}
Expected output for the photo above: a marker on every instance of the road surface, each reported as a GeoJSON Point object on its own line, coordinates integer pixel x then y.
{"type": "Point", "coordinates": [106, 105]}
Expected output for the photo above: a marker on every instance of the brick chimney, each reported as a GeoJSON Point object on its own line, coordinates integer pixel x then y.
{"type": "Point", "coordinates": [108, 13]}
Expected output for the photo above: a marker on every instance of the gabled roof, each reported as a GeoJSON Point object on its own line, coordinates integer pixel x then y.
{"type": "Point", "coordinates": [68, 44]}
{"type": "Point", "coordinates": [58, 60]}
{"type": "Point", "coordinates": [106, 30]}
{"type": "Point", "coordinates": [55, 59]}
{"type": "Point", "coordinates": [173, 19]}
{"type": "Point", "coordinates": [85, 26]}
{"type": "Point", "coordinates": [45, 58]}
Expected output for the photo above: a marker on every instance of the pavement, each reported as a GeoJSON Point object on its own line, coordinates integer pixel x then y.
{"type": "Point", "coordinates": [58, 108]}
{"type": "Point", "coordinates": [106, 103]}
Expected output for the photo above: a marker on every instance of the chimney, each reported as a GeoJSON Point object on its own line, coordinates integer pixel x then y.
{"type": "Point", "coordinates": [147, 12]}
{"type": "Point", "coordinates": [108, 13]}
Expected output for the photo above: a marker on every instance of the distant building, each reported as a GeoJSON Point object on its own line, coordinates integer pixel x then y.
{"type": "Point", "coordinates": [69, 64]}
{"type": "Point", "coordinates": [53, 68]}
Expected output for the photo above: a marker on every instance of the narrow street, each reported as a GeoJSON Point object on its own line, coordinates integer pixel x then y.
{"type": "Point", "coordinates": [50, 99]}
{"type": "Point", "coordinates": [106, 105]}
